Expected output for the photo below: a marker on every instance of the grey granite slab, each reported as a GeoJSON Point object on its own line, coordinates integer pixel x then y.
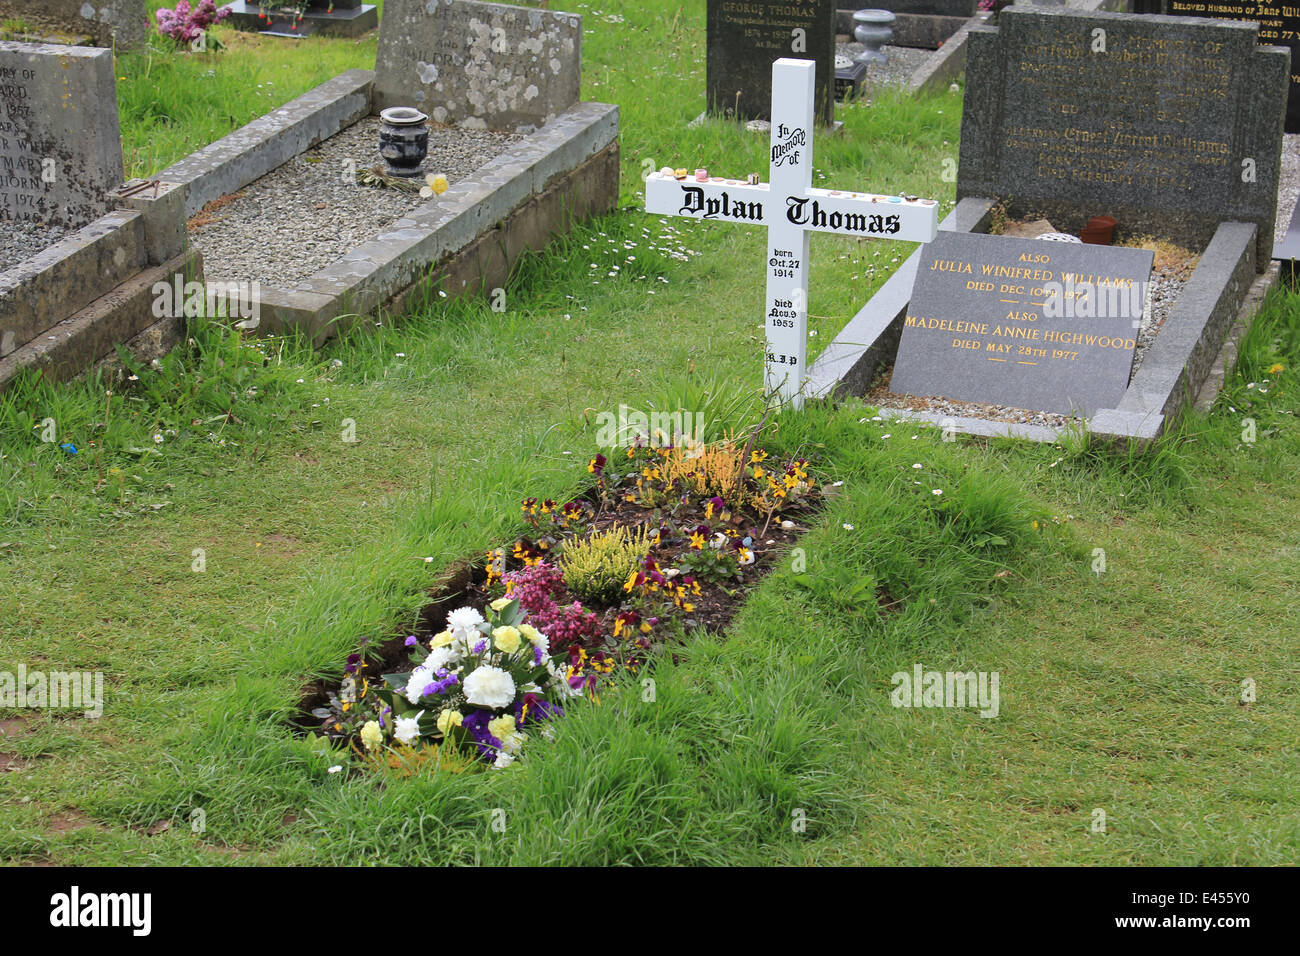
{"type": "Point", "coordinates": [1048, 326]}
{"type": "Point", "coordinates": [1172, 125]}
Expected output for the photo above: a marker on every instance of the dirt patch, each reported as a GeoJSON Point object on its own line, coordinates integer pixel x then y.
{"type": "Point", "coordinates": [66, 821]}
{"type": "Point", "coordinates": [12, 763]}
{"type": "Point", "coordinates": [282, 544]}
{"type": "Point", "coordinates": [207, 215]}
{"type": "Point", "coordinates": [12, 727]}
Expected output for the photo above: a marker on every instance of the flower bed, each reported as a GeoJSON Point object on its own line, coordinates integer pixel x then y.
{"type": "Point", "coordinates": [666, 540]}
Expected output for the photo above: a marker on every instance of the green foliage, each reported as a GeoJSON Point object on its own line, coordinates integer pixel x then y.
{"type": "Point", "coordinates": [596, 567]}
{"type": "Point", "coordinates": [716, 565]}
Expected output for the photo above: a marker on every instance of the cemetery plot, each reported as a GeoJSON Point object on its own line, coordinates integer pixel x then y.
{"type": "Point", "coordinates": [602, 583]}
{"type": "Point", "coordinates": [312, 211]}
{"type": "Point", "coordinates": [511, 154]}
{"type": "Point", "coordinates": [1168, 126]}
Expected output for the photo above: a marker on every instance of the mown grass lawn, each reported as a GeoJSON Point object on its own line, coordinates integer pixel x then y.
{"type": "Point", "coordinates": [1120, 690]}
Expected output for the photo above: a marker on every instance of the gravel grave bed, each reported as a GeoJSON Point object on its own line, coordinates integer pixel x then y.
{"type": "Point", "coordinates": [22, 240]}
{"type": "Point", "coordinates": [903, 62]}
{"type": "Point", "coordinates": [1166, 285]}
{"type": "Point", "coordinates": [301, 217]}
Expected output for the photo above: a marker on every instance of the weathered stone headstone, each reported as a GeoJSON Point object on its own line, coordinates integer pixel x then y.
{"type": "Point", "coordinates": [1279, 25]}
{"type": "Point", "coordinates": [745, 37]}
{"type": "Point", "coordinates": [1049, 326]}
{"type": "Point", "coordinates": [792, 209]}
{"type": "Point", "coordinates": [478, 65]}
{"type": "Point", "coordinates": [60, 144]}
{"type": "Point", "coordinates": [1169, 124]}
{"type": "Point", "coordinates": [120, 23]}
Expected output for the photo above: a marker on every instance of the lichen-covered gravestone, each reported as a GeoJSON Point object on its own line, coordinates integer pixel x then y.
{"type": "Point", "coordinates": [478, 65]}
{"type": "Point", "coordinates": [60, 144]}
{"type": "Point", "coordinates": [120, 23]}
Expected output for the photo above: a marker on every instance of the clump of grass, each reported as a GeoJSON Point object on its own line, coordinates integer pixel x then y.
{"type": "Point", "coordinates": [1171, 259]}
{"type": "Point", "coordinates": [596, 567]}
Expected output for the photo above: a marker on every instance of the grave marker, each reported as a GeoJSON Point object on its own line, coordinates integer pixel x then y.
{"type": "Point", "coordinates": [1048, 326]}
{"type": "Point", "coordinates": [745, 36]}
{"type": "Point", "coordinates": [791, 209]}
{"type": "Point", "coordinates": [478, 65]}
{"type": "Point", "coordinates": [1279, 25]}
{"type": "Point", "coordinates": [60, 144]}
{"type": "Point", "coordinates": [1171, 125]}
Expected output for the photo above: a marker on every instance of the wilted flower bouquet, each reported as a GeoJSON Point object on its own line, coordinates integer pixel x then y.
{"type": "Point", "coordinates": [482, 684]}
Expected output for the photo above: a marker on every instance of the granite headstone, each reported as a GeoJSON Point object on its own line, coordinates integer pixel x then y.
{"type": "Point", "coordinates": [1279, 25]}
{"type": "Point", "coordinates": [60, 143]}
{"type": "Point", "coordinates": [745, 37]}
{"type": "Point", "coordinates": [478, 65]}
{"type": "Point", "coordinates": [1047, 326]}
{"type": "Point", "coordinates": [1172, 125]}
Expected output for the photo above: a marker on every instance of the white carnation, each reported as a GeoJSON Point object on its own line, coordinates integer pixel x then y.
{"type": "Point", "coordinates": [490, 687]}
{"type": "Point", "coordinates": [440, 657]}
{"type": "Point", "coordinates": [420, 678]}
{"type": "Point", "coordinates": [463, 623]}
{"type": "Point", "coordinates": [407, 729]}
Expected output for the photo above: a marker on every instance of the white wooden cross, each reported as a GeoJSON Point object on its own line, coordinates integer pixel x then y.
{"type": "Point", "coordinates": [791, 209]}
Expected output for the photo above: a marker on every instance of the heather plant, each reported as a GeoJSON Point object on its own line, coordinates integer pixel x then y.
{"type": "Point", "coordinates": [596, 567]}
{"type": "Point", "coordinates": [568, 627]}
